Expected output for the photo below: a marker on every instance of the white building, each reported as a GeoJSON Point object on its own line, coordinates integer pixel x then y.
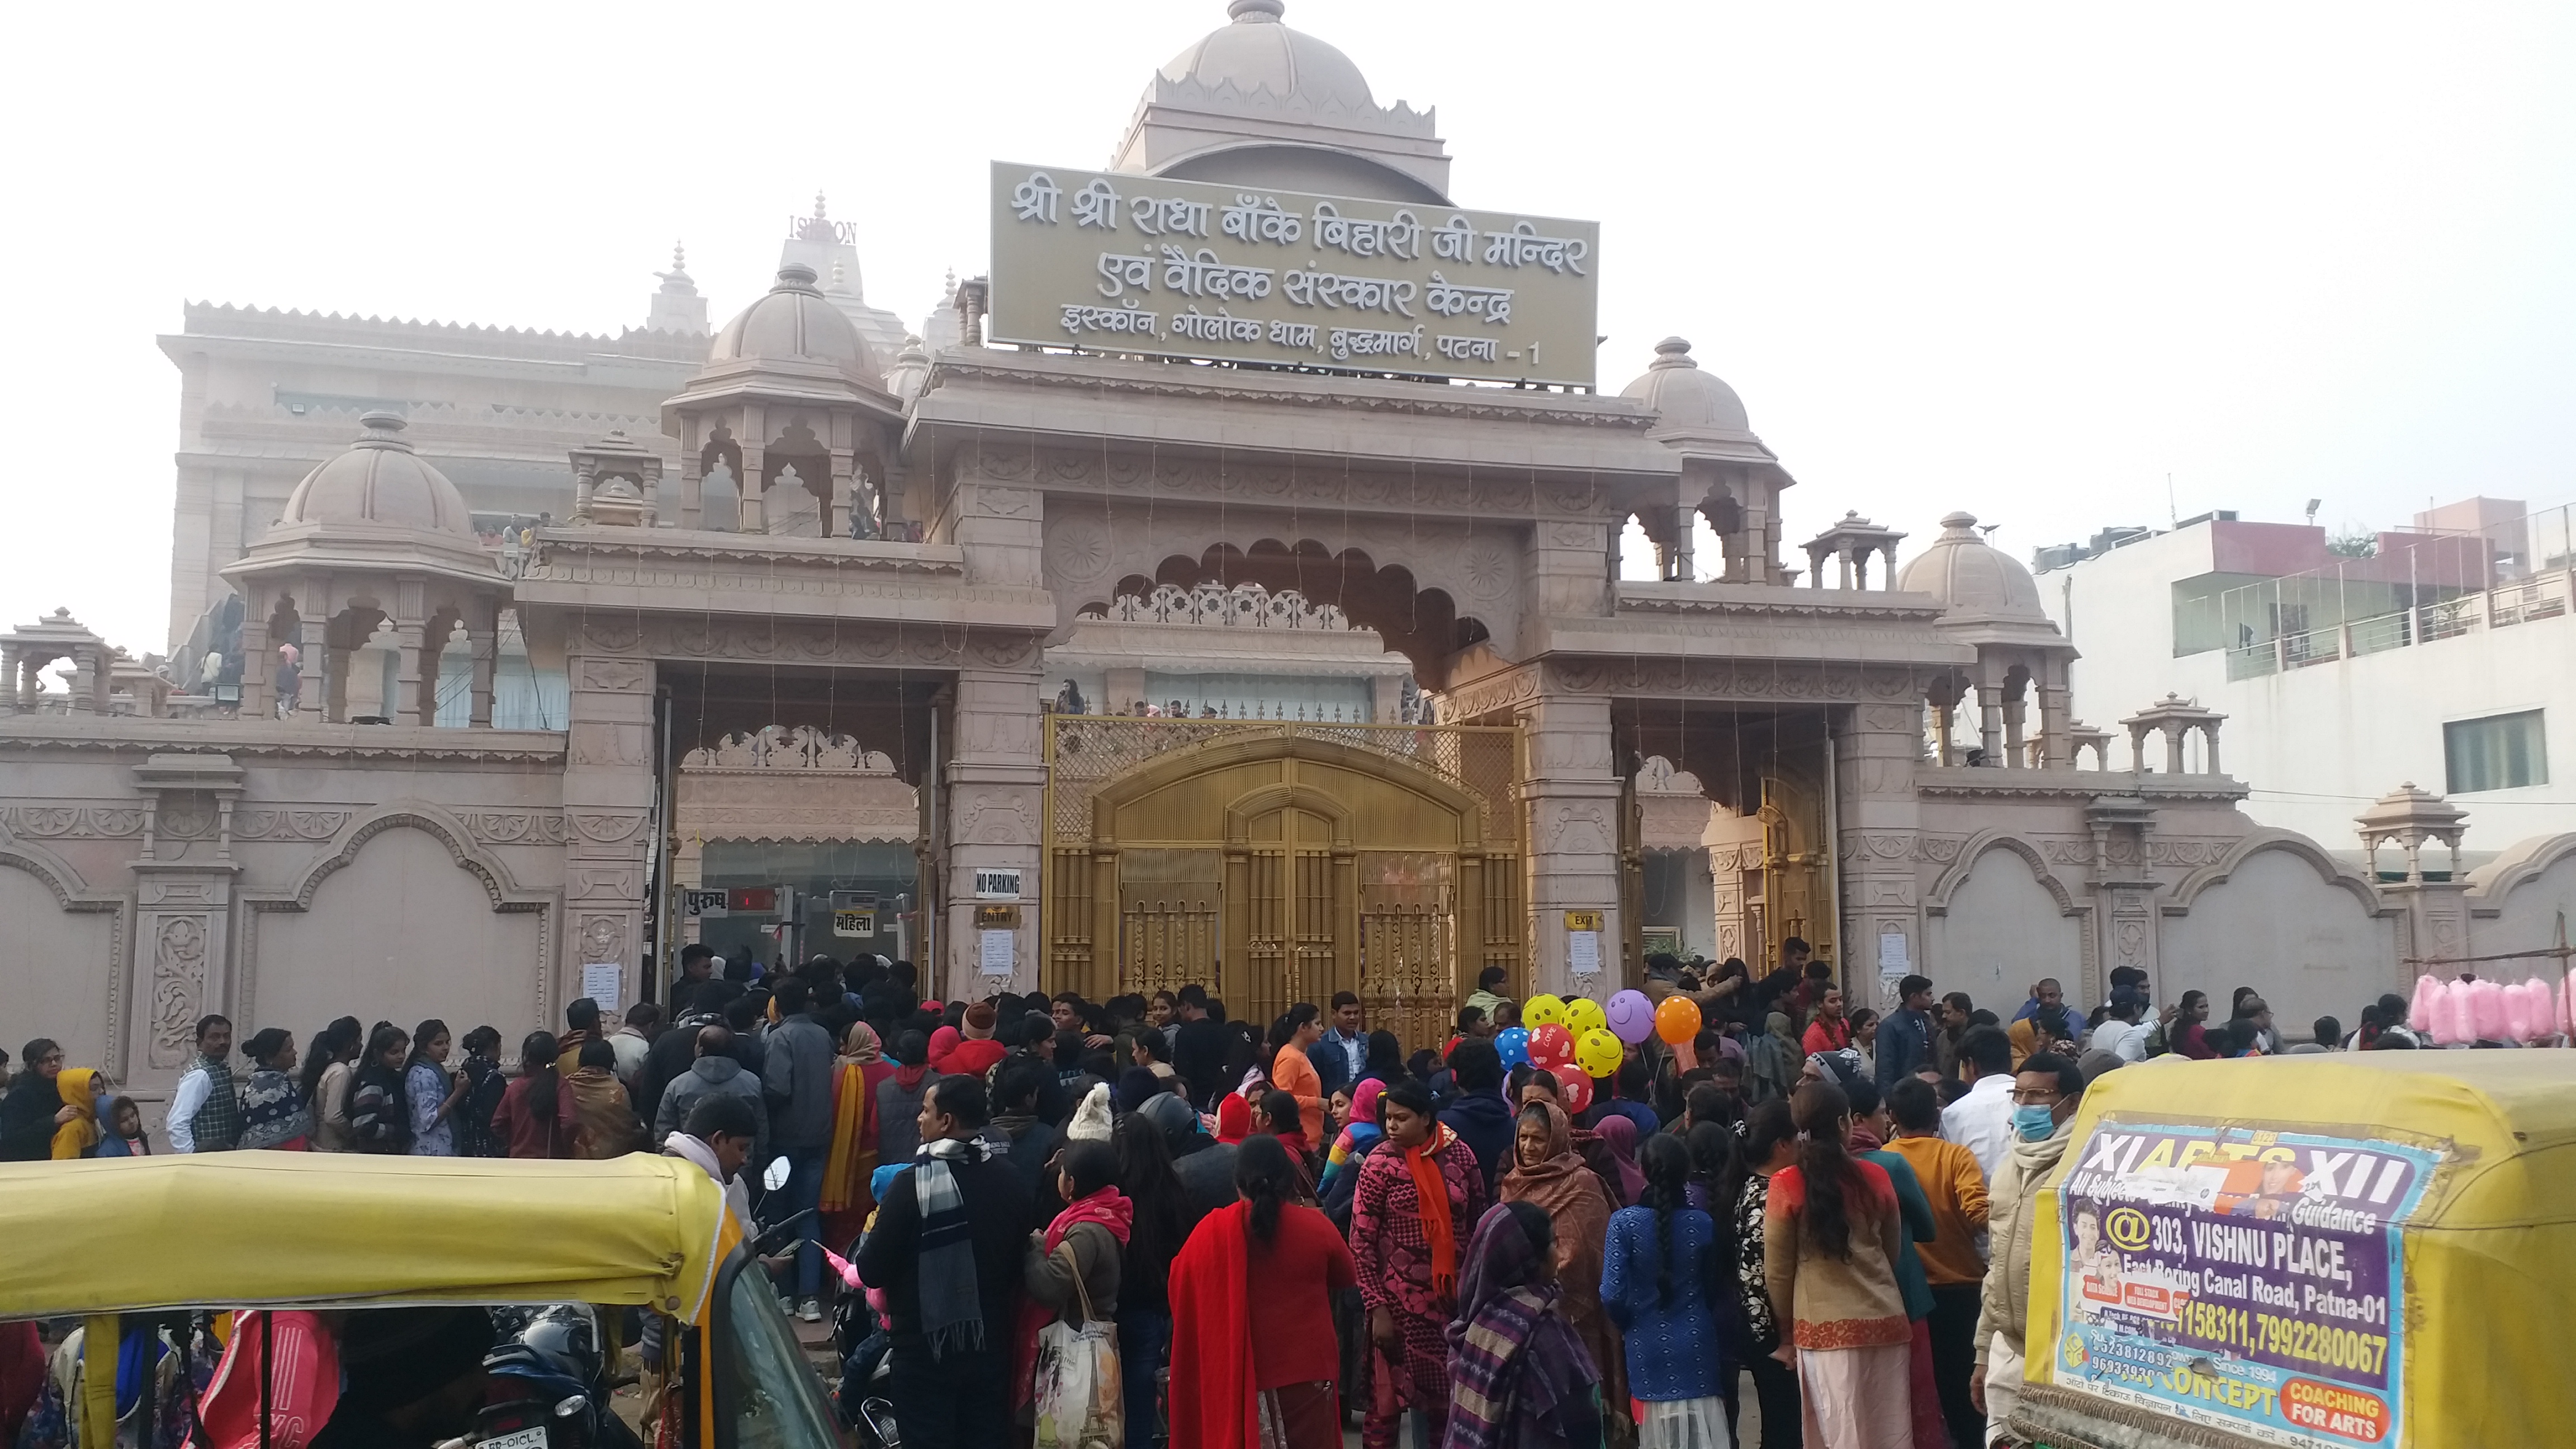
{"type": "Point", "coordinates": [2436, 657]}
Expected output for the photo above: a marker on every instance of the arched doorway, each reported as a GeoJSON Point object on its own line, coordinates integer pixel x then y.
{"type": "Point", "coordinates": [1281, 861]}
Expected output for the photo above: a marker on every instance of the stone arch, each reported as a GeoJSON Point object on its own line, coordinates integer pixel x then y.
{"type": "Point", "coordinates": [70, 967]}
{"type": "Point", "coordinates": [414, 815]}
{"type": "Point", "coordinates": [2522, 863]}
{"type": "Point", "coordinates": [2329, 870]}
{"type": "Point", "coordinates": [1937, 900]}
{"type": "Point", "coordinates": [1421, 622]}
{"type": "Point", "coordinates": [2517, 901]}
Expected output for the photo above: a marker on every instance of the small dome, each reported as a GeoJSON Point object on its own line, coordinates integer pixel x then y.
{"type": "Point", "coordinates": [795, 321]}
{"type": "Point", "coordinates": [1256, 52]}
{"type": "Point", "coordinates": [1683, 395]}
{"type": "Point", "coordinates": [380, 481]}
{"type": "Point", "coordinates": [1972, 577]}
{"type": "Point", "coordinates": [911, 369]}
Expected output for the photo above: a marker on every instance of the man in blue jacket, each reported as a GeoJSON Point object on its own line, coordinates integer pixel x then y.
{"type": "Point", "coordinates": [1905, 1038]}
{"type": "Point", "coordinates": [1478, 1113]}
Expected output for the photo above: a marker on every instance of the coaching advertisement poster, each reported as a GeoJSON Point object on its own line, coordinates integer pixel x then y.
{"type": "Point", "coordinates": [2245, 1279]}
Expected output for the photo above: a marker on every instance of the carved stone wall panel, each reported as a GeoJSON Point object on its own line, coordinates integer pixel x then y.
{"type": "Point", "coordinates": [73, 822]}
{"type": "Point", "coordinates": [253, 824]}
{"type": "Point", "coordinates": [801, 641]}
{"type": "Point", "coordinates": [994, 815]}
{"type": "Point", "coordinates": [180, 944]}
{"type": "Point", "coordinates": [513, 827]}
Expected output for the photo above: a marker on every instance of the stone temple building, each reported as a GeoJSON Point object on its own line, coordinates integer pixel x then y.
{"type": "Point", "coordinates": [505, 662]}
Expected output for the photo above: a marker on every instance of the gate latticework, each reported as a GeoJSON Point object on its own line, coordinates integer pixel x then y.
{"type": "Point", "coordinates": [1278, 861]}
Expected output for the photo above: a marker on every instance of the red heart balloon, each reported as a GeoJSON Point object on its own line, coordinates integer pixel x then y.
{"type": "Point", "coordinates": [1550, 1045]}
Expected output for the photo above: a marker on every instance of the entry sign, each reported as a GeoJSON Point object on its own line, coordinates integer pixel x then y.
{"type": "Point", "coordinates": [706, 905]}
{"type": "Point", "coordinates": [2241, 1278]}
{"type": "Point", "coordinates": [1583, 942]}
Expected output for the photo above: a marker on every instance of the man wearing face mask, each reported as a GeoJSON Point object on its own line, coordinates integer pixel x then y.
{"type": "Point", "coordinates": [2046, 1092]}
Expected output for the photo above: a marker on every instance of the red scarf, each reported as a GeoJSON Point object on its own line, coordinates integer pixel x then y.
{"type": "Point", "coordinates": [1215, 1400]}
{"type": "Point", "coordinates": [1110, 1209]}
{"type": "Point", "coordinates": [1432, 1190]}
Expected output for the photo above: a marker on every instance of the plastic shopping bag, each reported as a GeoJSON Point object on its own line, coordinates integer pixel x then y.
{"type": "Point", "coordinates": [1081, 1398]}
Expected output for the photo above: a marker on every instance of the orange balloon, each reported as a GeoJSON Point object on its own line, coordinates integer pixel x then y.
{"type": "Point", "coordinates": [1677, 1020]}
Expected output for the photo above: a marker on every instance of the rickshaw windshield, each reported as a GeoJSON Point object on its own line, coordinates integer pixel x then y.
{"type": "Point", "coordinates": [771, 1392]}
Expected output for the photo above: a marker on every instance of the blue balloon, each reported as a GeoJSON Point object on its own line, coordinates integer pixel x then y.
{"type": "Point", "coordinates": [1512, 1044]}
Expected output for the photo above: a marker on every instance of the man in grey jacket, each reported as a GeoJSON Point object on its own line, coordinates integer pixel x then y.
{"type": "Point", "coordinates": [715, 1073]}
{"type": "Point", "coordinates": [796, 1073]}
{"type": "Point", "coordinates": [2046, 1093]}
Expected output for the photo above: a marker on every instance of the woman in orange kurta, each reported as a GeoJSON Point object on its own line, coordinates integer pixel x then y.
{"type": "Point", "coordinates": [1290, 1072]}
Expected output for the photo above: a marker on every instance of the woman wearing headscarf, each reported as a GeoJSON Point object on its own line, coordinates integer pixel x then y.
{"type": "Point", "coordinates": [1520, 1376]}
{"type": "Point", "coordinates": [275, 1115]}
{"type": "Point", "coordinates": [78, 1090]}
{"type": "Point", "coordinates": [1258, 1378]}
{"type": "Point", "coordinates": [1233, 1120]}
{"type": "Point", "coordinates": [1547, 1172]}
{"type": "Point", "coordinates": [1619, 1136]}
{"type": "Point", "coordinates": [1356, 1139]}
{"type": "Point", "coordinates": [607, 1124]}
{"type": "Point", "coordinates": [1832, 1235]}
{"type": "Point", "coordinates": [852, 1160]}
{"type": "Point", "coordinates": [1772, 1065]}
{"type": "Point", "coordinates": [1419, 1196]}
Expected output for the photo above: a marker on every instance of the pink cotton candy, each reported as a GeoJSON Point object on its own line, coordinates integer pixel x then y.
{"type": "Point", "coordinates": [2520, 1023]}
{"type": "Point", "coordinates": [2544, 1012]}
{"type": "Point", "coordinates": [2566, 1023]}
{"type": "Point", "coordinates": [2452, 1025]}
{"type": "Point", "coordinates": [2486, 1011]}
{"type": "Point", "coordinates": [2420, 1013]}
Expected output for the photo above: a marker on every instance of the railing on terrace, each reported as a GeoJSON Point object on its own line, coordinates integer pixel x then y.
{"type": "Point", "coordinates": [2525, 600]}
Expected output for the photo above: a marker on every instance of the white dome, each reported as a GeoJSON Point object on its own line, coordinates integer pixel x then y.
{"type": "Point", "coordinates": [795, 321]}
{"type": "Point", "coordinates": [1972, 577]}
{"type": "Point", "coordinates": [379, 481]}
{"type": "Point", "coordinates": [1256, 53]}
{"type": "Point", "coordinates": [1683, 395]}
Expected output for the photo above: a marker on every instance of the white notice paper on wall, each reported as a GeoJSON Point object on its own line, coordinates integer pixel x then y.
{"type": "Point", "coordinates": [1892, 960]}
{"type": "Point", "coordinates": [994, 953]}
{"type": "Point", "coordinates": [1583, 952]}
{"type": "Point", "coordinates": [600, 981]}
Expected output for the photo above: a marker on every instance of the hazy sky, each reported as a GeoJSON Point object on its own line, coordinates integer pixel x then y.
{"type": "Point", "coordinates": [2025, 260]}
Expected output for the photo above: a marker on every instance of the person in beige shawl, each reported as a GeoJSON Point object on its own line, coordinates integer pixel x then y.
{"type": "Point", "coordinates": [609, 1126]}
{"type": "Point", "coordinates": [1548, 1173]}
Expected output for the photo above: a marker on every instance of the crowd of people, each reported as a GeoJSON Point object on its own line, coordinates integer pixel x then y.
{"type": "Point", "coordinates": [1305, 1222]}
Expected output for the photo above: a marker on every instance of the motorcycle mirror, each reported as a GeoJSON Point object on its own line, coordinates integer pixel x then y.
{"type": "Point", "coordinates": [774, 1176]}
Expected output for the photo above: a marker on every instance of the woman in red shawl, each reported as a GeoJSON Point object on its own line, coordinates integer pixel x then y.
{"type": "Point", "coordinates": [1235, 1387]}
{"type": "Point", "coordinates": [1418, 1199]}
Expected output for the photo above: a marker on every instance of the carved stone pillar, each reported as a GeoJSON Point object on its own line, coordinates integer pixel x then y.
{"type": "Point", "coordinates": [994, 791]}
{"type": "Point", "coordinates": [1878, 824]}
{"type": "Point", "coordinates": [1572, 795]}
{"type": "Point", "coordinates": [482, 649]}
{"type": "Point", "coordinates": [608, 794]}
{"type": "Point", "coordinates": [1990, 720]}
{"type": "Point", "coordinates": [2056, 717]}
{"type": "Point", "coordinates": [2124, 898]}
{"type": "Point", "coordinates": [258, 701]}
{"type": "Point", "coordinates": [2013, 714]}
{"type": "Point", "coordinates": [313, 662]}
{"type": "Point", "coordinates": [183, 926]}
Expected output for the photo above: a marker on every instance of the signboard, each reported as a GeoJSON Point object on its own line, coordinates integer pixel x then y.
{"type": "Point", "coordinates": [1895, 961]}
{"type": "Point", "coordinates": [997, 918]}
{"type": "Point", "coordinates": [1583, 942]}
{"type": "Point", "coordinates": [2244, 1279]}
{"type": "Point", "coordinates": [753, 900]}
{"type": "Point", "coordinates": [854, 923]}
{"type": "Point", "coordinates": [1116, 262]}
{"type": "Point", "coordinates": [997, 885]}
{"type": "Point", "coordinates": [854, 900]}
{"type": "Point", "coordinates": [603, 982]}
{"type": "Point", "coordinates": [706, 905]}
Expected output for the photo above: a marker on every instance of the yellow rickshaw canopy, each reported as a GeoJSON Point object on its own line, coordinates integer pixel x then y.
{"type": "Point", "coordinates": [247, 1229]}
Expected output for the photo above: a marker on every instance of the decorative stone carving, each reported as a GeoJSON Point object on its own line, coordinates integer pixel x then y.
{"type": "Point", "coordinates": [773, 747]}
{"type": "Point", "coordinates": [286, 825]}
{"type": "Point", "coordinates": [1489, 569]}
{"type": "Point", "coordinates": [994, 815]}
{"type": "Point", "coordinates": [514, 827]}
{"type": "Point", "coordinates": [602, 938]}
{"type": "Point", "coordinates": [73, 822]}
{"type": "Point", "coordinates": [1720, 679]}
{"type": "Point", "coordinates": [614, 676]}
{"type": "Point", "coordinates": [1077, 550]}
{"type": "Point", "coordinates": [1579, 830]}
{"type": "Point", "coordinates": [178, 988]}
{"type": "Point", "coordinates": [1245, 606]}
{"type": "Point", "coordinates": [186, 815]}
{"type": "Point", "coordinates": [606, 828]}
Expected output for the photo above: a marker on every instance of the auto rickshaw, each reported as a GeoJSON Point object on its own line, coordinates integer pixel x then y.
{"type": "Point", "coordinates": [342, 1235]}
{"type": "Point", "coordinates": [2321, 1251]}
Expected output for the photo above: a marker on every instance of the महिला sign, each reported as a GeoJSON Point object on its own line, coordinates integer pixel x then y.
{"type": "Point", "coordinates": [2247, 1279]}
{"type": "Point", "coordinates": [1114, 262]}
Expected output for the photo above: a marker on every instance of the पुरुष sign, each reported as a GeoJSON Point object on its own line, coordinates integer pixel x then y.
{"type": "Point", "coordinates": [1115, 262]}
{"type": "Point", "coordinates": [2245, 1279]}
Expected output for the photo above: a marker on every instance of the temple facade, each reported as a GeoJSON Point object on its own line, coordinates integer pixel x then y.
{"type": "Point", "coordinates": [1062, 667]}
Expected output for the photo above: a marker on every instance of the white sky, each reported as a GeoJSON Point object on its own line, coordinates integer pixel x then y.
{"type": "Point", "coordinates": [2021, 259]}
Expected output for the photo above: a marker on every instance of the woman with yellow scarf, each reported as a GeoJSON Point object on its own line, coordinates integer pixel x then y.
{"type": "Point", "coordinates": [79, 1087]}
{"type": "Point", "coordinates": [846, 1200]}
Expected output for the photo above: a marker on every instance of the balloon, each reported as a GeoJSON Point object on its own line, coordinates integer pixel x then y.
{"type": "Point", "coordinates": [1583, 1014]}
{"type": "Point", "coordinates": [1677, 1019]}
{"type": "Point", "coordinates": [1573, 1086]}
{"type": "Point", "coordinates": [1542, 1010]}
{"type": "Point", "coordinates": [1512, 1044]}
{"type": "Point", "coordinates": [1551, 1045]}
{"type": "Point", "coordinates": [1686, 1055]}
{"type": "Point", "coordinates": [1631, 1017]}
{"type": "Point", "coordinates": [1598, 1052]}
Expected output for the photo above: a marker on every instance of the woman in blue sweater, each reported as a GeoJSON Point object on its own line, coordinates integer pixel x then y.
{"type": "Point", "coordinates": [1658, 1269]}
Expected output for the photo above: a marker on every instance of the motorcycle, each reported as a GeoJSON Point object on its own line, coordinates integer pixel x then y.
{"type": "Point", "coordinates": [548, 1387]}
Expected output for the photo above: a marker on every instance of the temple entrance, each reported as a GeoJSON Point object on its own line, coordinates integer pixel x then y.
{"type": "Point", "coordinates": [1276, 861]}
